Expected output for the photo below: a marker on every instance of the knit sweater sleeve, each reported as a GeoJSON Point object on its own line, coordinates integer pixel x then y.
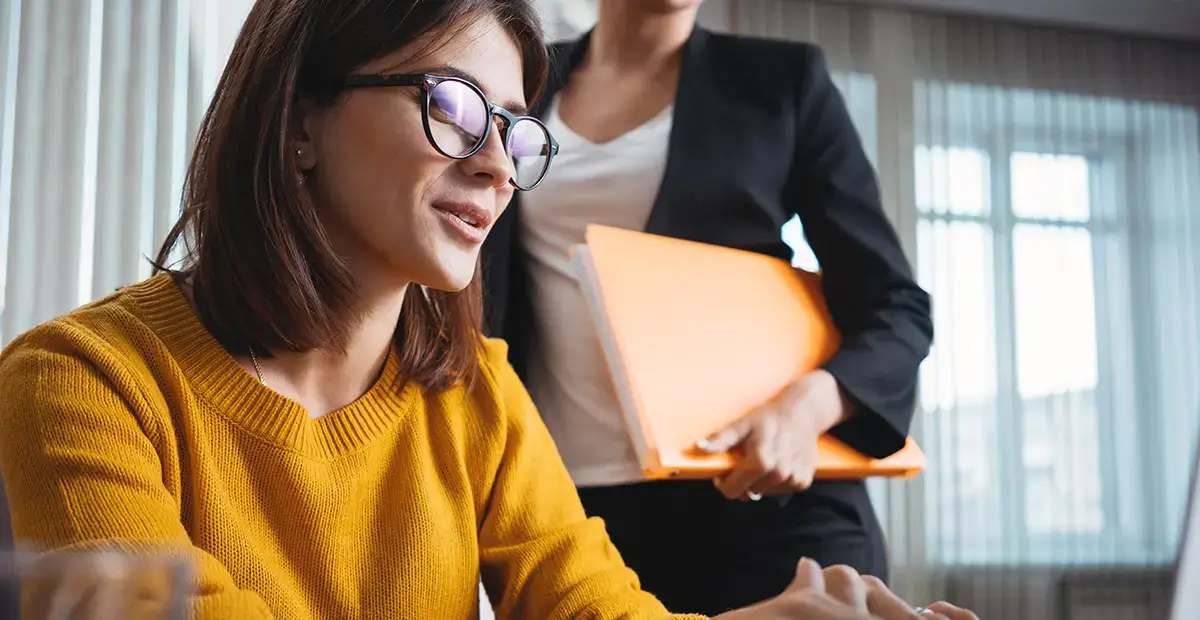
{"type": "Point", "coordinates": [541, 556]}
{"type": "Point", "coordinates": [79, 461]}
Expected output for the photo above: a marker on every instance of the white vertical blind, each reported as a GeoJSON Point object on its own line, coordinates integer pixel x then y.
{"type": "Point", "coordinates": [99, 104]}
{"type": "Point", "coordinates": [10, 45]}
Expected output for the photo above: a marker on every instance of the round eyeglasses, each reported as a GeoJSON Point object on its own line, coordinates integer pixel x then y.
{"type": "Point", "coordinates": [458, 119]}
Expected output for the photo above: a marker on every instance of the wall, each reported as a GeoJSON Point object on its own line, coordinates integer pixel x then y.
{"type": "Point", "coordinates": [1166, 18]}
{"type": "Point", "coordinates": [717, 15]}
{"type": "Point", "coordinates": [1163, 18]}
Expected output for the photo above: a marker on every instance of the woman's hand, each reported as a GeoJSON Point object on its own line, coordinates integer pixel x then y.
{"type": "Point", "coordinates": [884, 603]}
{"type": "Point", "coordinates": [840, 593]}
{"type": "Point", "coordinates": [831, 594]}
{"type": "Point", "coordinates": [947, 611]}
{"type": "Point", "coordinates": [778, 442]}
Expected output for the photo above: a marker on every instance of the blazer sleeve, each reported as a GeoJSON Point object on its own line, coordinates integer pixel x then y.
{"type": "Point", "coordinates": [883, 315]}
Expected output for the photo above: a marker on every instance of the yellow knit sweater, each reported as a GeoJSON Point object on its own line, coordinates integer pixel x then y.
{"type": "Point", "coordinates": [126, 420]}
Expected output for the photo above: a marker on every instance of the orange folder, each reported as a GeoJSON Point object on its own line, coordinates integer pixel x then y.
{"type": "Point", "coordinates": [697, 335]}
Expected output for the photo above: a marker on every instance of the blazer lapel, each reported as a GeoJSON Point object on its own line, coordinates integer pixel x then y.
{"type": "Point", "coordinates": [692, 96]}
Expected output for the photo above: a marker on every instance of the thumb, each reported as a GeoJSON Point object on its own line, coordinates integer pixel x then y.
{"type": "Point", "coordinates": [809, 576]}
{"type": "Point", "coordinates": [725, 438]}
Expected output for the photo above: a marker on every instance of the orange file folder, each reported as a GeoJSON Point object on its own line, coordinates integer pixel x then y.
{"type": "Point", "coordinates": [697, 335]}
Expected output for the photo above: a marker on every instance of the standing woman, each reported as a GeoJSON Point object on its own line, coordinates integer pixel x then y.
{"type": "Point", "coordinates": [668, 128]}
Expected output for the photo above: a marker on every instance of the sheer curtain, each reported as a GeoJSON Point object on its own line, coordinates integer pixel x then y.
{"type": "Point", "coordinates": [1047, 185]}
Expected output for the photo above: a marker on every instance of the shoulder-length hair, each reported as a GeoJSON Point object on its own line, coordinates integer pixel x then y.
{"type": "Point", "coordinates": [263, 271]}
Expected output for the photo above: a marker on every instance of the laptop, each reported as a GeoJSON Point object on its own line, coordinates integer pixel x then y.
{"type": "Point", "coordinates": [1186, 597]}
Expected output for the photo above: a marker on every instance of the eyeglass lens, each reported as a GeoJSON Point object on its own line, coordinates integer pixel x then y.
{"type": "Point", "coordinates": [529, 147]}
{"type": "Point", "coordinates": [459, 120]}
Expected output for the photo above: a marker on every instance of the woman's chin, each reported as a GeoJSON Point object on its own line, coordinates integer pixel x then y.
{"type": "Point", "coordinates": [450, 280]}
{"type": "Point", "coordinates": [447, 269]}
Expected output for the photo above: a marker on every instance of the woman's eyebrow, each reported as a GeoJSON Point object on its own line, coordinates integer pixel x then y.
{"type": "Point", "coordinates": [516, 107]}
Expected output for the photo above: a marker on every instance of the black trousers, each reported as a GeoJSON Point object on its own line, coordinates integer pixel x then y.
{"type": "Point", "coordinates": [701, 553]}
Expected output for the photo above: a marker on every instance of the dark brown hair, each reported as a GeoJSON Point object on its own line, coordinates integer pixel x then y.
{"type": "Point", "coordinates": [262, 269]}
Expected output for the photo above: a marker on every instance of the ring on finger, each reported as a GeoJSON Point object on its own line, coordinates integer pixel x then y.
{"type": "Point", "coordinates": [751, 494]}
{"type": "Point", "coordinates": [922, 611]}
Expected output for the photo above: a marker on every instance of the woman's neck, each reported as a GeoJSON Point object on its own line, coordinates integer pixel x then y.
{"type": "Point", "coordinates": [325, 380]}
{"type": "Point", "coordinates": [628, 34]}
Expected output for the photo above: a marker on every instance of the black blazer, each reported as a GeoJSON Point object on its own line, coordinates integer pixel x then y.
{"type": "Point", "coordinates": [760, 133]}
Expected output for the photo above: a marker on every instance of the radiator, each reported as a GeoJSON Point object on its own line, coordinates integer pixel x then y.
{"type": "Point", "coordinates": [1037, 593]}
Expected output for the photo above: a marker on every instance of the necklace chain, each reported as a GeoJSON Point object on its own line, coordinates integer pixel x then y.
{"type": "Point", "coordinates": [257, 368]}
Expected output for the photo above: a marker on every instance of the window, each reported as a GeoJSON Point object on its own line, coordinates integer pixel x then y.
{"type": "Point", "coordinates": [1005, 247]}
{"type": "Point", "coordinates": [1023, 246]}
{"type": "Point", "coordinates": [1053, 287]}
{"type": "Point", "coordinates": [1054, 233]}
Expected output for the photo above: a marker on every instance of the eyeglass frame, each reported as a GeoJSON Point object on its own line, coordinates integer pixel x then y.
{"type": "Point", "coordinates": [428, 82]}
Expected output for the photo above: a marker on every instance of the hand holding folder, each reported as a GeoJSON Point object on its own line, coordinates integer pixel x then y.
{"type": "Point", "coordinates": [696, 336]}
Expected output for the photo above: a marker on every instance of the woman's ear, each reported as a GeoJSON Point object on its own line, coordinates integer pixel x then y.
{"type": "Point", "coordinates": [302, 136]}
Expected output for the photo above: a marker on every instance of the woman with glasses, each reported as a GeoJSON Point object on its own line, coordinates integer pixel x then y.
{"type": "Point", "coordinates": [304, 408]}
{"type": "Point", "coordinates": [671, 129]}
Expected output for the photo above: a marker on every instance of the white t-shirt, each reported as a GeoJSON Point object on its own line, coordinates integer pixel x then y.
{"type": "Point", "coordinates": [614, 184]}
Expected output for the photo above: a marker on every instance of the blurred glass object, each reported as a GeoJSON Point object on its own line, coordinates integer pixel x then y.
{"type": "Point", "coordinates": [100, 585]}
